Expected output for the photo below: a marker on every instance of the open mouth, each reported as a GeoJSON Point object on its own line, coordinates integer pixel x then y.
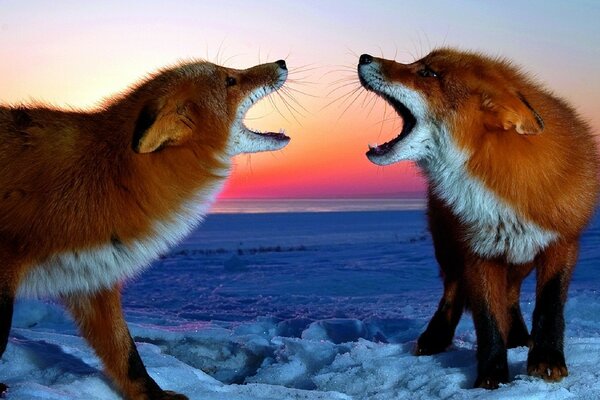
{"type": "Point", "coordinates": [278, 139]}
{"type": "Point", "coordinates": [408, 121]}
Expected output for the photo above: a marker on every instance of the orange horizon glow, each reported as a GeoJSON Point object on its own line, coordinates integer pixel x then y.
{"type": "Point", "coordinates": [75, 54]}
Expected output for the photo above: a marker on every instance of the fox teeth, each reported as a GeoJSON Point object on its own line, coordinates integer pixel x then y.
{"type": "Point", "coordinates": [373, 146]}
{"type": "Point", "coordinates": [282, 131]}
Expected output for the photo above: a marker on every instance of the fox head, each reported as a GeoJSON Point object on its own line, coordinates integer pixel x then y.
{"type": "Point", "coordinates": [448, 92]}
{"type": "Point", "coordinates": [202, 105]}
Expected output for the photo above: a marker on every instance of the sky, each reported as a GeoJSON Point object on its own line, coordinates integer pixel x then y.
{"type": "Point", "coordinates": [76, 54]}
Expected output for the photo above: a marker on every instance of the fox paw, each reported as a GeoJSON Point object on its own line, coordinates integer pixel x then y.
{"type": "Point", "coordinates": [548, 364]}
{"type": "Point", "coordinates": [169, 395]}
{"type": "Point", "coordinates": [164, 395]}
{"type": "Point", "coordinates": [429, 344]}
{"type": "Point", "coordinates": [489, 382]}
{"type": "Point", "coordinates": [492, 372]}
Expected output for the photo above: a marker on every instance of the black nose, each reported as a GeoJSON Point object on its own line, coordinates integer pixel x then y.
{"type": "Point", "coordinates": [365, 59]}
{"type": "Point", "coordinates": [281, 64]}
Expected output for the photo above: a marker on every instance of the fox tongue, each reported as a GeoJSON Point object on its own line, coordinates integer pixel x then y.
{"type": "Point", "coordinates": [274, 135]}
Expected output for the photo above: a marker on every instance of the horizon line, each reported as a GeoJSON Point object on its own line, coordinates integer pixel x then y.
{"type": "Point", "coordinates": [366, 196]}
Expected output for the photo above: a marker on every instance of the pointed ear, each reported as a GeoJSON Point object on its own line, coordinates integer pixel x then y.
{"type": "Point", "coordinates": [510, 111]}
{"type": "Point", "coordinates": [157, 127]}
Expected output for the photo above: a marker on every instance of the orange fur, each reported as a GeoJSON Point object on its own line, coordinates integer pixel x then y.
{"type": "Point", "coordinates": [100, 313]}
{"type": "Point", "coordinates": [87, 186]}
{"type": "Point", "coordinates": [551, 176]}
{"type": "Point", "coordinates": [72, 176]}
{"type": "Point", "coordinates": [529, 175]}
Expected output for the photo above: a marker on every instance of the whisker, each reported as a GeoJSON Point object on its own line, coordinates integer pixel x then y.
{"type": "Point", "coordinates": [344, 66]}
{"type": "Point", "coordinates": [414, 49]}
{"type": "Point", "coordinates": [336, 71]}
{"type": "Point", "coordinates": [394, 118]}
{"type": "Point", "coordinates": [342, 70]}
{"type": "Point", "coordinates": [217, 57]}
{"type": "Point", "coordinates": [270, 97]}
{"type": "Point", "coordinates": [230, 58]}
{"type": "Point", "coordinates": [369, 97]}
{"type": "Point", "coordinates": [258, 117]}
{"type": "Point", "coordinates": [308, 67]}
{"type": "Point", "coordinates": [445, 37]}
{"type": "Point", "coordinates": [274, 155]}
{"type": "Point", "coordinates": [301, 92]}
{"type": "Point", "coordinates": [295, 73]}
{"type": "Point", "coordinates": [351, 52]}
{"type": "Point", "coordinates": [285, 90]}
{"type": "Point", "coordinates": [381, 125]}
{"type": "Point", "coordinates": [398, 121]}
{"type": "Point", "coordinates": [249, 162]}
{"type": "Point", "coordinates": [349, 90]}
{"type": "Point", "coordinates": [290, 108]}
{"type": "Point", "coordinates": [345, 79]}
{"type": "Point", "coordinates": [345, 85]}
{"type": "Point", "coordinates": [373, 100]}
{"type": "Point", "coordinates": [301, 81]}
{"type": "Point", "coordinates": [356, 97]}
{"type": "Point", "coordinates": [290, 105]}
{"type": "Point", "coordinates": [428, 41]}
{"type": "Point", "coordinates": [343, 96]}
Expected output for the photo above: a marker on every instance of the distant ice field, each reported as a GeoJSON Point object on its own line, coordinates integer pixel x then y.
{"type": "Point", "coordinates": [314, 265]}
{"type": "Point", "coordinates": [289, 265]}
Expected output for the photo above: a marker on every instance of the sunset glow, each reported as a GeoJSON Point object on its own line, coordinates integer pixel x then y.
{"type": "Point", "coordinates": [74, 54]}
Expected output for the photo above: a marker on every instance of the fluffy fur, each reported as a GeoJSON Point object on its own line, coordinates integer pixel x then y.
{"type": "Point", "coordinates": [88, 199]}
{"type": "Point", "coordinates": [513, 181]}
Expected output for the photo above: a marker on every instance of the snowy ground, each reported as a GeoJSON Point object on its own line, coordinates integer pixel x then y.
{"type": "Point", "coordinates": [298, 306]}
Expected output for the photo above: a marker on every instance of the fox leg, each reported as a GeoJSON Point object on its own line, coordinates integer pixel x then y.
{"type": "Point", "coordinates": [518, 335]}
{"type": "Point", "coordinates": [448, 253]}
{"type": "Point", "coordinates": [9, 268]}
{"type": "Point", "coordinates": [100, 319]}
{"type": "Point", "coordinates": [546, 357]}
{"type": "Point", "coordinates": [6, 312]}
{"type": "Point", "coordinates": [486, 283]}
{"type": "Point", "coordinates": [440, 330]}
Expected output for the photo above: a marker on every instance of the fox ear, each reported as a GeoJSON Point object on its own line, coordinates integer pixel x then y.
{"type": "Point", "coordinates": [511, 111]}
{"type": "Point", "coordinates": [157, 127]}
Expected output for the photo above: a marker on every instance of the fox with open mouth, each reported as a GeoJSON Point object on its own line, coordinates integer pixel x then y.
{"type": "Point", "coordinates": [512, 175]}
{"type": "Point", "coordinates": [88, 199]}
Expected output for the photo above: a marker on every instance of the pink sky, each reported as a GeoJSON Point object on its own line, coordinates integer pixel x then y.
{"type": "Point", "coordinates": [74, 53]}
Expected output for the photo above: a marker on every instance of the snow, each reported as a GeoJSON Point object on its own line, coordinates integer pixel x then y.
{"type": "Point", "coordinates": [319, 305]}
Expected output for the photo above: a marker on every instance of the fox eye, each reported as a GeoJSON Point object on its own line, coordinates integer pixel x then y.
{"type": "Point", "coordinates": [427, 72]}
{"type": "Point", "coordinates": [230, 81]}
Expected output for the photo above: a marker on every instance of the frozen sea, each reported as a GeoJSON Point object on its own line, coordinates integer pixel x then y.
{"type": "Point", "coordinates": [312, 299]}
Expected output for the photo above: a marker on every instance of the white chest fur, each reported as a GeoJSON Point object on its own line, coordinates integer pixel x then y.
{"type": "Point", "coordinates": [494, 227]}
{"type": "Point", "coordinates": [92, 269]}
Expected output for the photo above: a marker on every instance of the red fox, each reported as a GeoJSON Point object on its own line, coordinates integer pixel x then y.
{"type": "Point", "coordinates": [88, 199]}
{"type": "Point", "coordinates": [512, 176]}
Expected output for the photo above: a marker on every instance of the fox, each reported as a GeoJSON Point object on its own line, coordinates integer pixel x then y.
{"type": "Point", "coordinates": [512, 181]}
{"type": "Point", "coordinates": [88, 199]}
